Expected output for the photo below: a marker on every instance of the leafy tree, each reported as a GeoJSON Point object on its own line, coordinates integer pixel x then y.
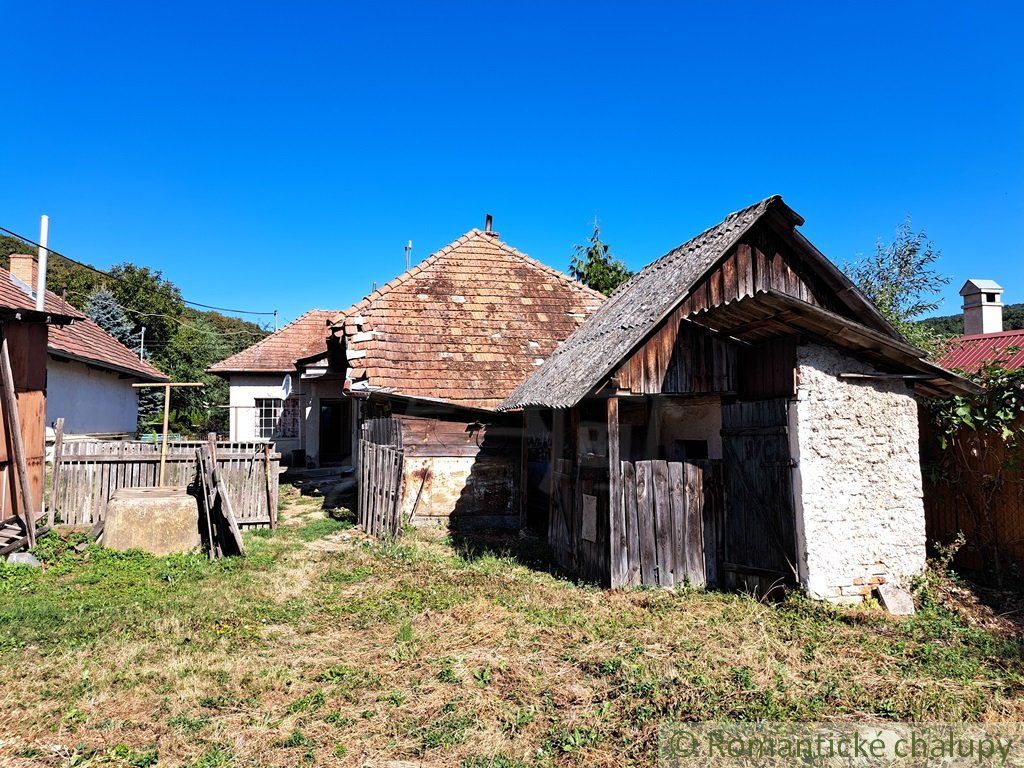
{"type": "Point", "coordinates": [979, 453]}
{"type": "Point", "coordinates": [103, 309]}
{"type": "Point", "coordinates": [593, 264]}
{"type": "Point", "coordinates": [194, 347]}
{"type": "Point", "coordinates": [900, 278]}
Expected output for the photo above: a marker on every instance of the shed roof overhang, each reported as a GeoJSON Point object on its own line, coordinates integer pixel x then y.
{"type": "Point", "coordinates": [767, 315]}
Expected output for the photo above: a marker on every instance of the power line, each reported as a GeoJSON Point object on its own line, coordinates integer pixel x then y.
{"type": "Point", "coordinates": [113, 277]}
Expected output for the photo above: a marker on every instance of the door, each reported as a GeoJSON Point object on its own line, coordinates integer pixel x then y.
{"type": "Point", "coordinates": [335, 431]}
{"type": "Point", "coordinates": [759, 527]}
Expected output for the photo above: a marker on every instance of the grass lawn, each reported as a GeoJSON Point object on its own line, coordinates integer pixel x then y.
{"type": "Point", "coordinates": [322, 649]}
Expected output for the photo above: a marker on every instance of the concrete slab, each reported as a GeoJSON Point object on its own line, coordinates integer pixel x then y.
{"type": "Point", "coordinates": [161, 521]}
{"type": "Point", "coordinates": [895, 600]}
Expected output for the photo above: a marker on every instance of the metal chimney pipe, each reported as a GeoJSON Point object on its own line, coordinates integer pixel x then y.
{"type": "Point", "coordinates": [44, 235]}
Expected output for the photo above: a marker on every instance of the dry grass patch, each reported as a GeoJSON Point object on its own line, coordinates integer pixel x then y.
{"type": "Point", "coordinates": [355, 652]}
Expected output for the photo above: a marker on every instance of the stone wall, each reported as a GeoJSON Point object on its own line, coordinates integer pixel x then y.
{"type": "Point", "coordinates": [860, 516]}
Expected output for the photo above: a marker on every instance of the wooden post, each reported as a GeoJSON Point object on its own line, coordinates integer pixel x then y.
{"type": "Point", "coordinates": [271, 506]}
{"type": "Point", "coordinates": [167, 416]}
{"type": "Point", "coordinates": [13, 422]}
{"type": "Point", "coordinates": [618, 557]}
{"type": "Point", "coordinates": [58, 446]}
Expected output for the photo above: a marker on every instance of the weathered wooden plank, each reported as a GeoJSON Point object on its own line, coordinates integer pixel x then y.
{"type": "Point", "coordinates": [645, 523]}
{"type": "Point", "coordinates": [677, 505]}
{"type": "Point", "coordinates": [618, 556]}
{"type": "Point", "coordinates": [694, 527]}
{"type": "Point", "coordinates": [633, 577]}
{"type": "Point", "coordinates": [662, 523]}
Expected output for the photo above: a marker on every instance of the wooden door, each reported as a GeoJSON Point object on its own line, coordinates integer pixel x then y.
{"type": "Point", "coordinates": [759, 527]}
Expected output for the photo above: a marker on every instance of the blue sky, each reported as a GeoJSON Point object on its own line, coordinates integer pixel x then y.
{"type": "Point", "coordinates": [279, 155]}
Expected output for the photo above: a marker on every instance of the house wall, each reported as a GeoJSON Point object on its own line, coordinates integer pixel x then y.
{"type": "Point", "coordinates": [698, 418]}
{"type": "Point", "coordinates": [860, 515]}
{"type": "Point", "coordinates": [460, 475]}
{"type": "Point", "coordinates": [246, 388]}
{"type": "Point", "coordinates": [90, 400]}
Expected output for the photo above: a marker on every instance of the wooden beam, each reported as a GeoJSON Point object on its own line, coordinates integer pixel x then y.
{"type": "Point", "coordinates": [13, 423]}
{"type": "Point", "coordinates": [618, 556]}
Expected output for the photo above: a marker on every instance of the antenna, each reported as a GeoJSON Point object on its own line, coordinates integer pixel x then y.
{"type": "Point", "coordinates": [408, 255]}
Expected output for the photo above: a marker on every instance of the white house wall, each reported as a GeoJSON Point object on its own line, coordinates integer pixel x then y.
{"type": "Point", "coordinates": [246, 388]}
{"type": "Point", "coordinates": [90, 400]}
{"type": "Point", "coordinates": [860, 515]}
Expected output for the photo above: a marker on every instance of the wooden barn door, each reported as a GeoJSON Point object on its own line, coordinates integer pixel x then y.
{"type": "Point", "coordinates": [759, 529]}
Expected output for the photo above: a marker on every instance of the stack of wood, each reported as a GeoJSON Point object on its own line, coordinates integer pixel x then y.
{"type": "Point", "coordinates": [223, 536]}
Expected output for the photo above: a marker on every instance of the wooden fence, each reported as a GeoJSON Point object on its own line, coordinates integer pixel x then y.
{"type": "Point", "coordinates": [978, 491]}
{"type": "Point", "coordinates": [381, 459]}
{"type": "Point", "coordinates": [87, 472]}
{"type": "Point", "coordinates": [672, 512]}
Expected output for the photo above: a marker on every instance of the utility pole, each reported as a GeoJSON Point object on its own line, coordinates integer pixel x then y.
{"type": "Point", "coordinates": [142, 344]}
{"type": "Point", "coordinates": [167, 417]}
{"type": "Point", "coordinates": [275, 321]}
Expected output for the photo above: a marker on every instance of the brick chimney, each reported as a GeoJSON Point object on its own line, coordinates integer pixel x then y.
{"type": "Point", "coordinates": [983, 307]}
{"type": "Point", "coordinates": [23, 267]}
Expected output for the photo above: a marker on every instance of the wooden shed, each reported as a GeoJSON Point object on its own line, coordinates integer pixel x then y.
{"type": "Point", "coordinates": [23, 359]}
{"type": "Point", "coordinates": [739, 414]}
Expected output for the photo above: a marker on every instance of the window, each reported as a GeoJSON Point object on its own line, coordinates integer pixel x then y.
{"type": "Point", "coordinates": [990, 297]}
{"type": "Point", "coordinates": [277, 418]}
{"type": "Point", "coordinates": [268, 415]}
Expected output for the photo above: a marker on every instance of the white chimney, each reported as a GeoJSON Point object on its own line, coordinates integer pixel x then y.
{"type": "Point", "coordinates": [983, 307]}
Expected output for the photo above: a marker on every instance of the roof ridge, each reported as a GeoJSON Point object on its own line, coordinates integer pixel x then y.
{"type": "Point", "coordinates": [556, 273]}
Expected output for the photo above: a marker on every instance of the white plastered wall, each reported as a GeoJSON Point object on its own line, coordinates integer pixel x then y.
{"type": "Point", "coordinates": [90, 400]}
{"type": "Point", "coordinates": [860, 514]}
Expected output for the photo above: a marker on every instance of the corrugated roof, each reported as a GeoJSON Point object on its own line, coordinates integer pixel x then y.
{"type": "Point", "coordinates": [465, 326]}
{"type": "Point", "coordinates": [643, 301]}
{"type": "Point", "coordinates": [304, 336]}
{"type": "Point", "coordinates": [84, 340]}
{"type": "Point", "coordinates": [969, 353]}
{"type": "Point", "coordinates": [646, 299]}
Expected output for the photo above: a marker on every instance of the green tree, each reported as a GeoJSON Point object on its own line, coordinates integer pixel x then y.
{"type": "Point", "coordinates": [102, 308]}
{"type": "Point", "coordinates": [901, 280]}
{"type": "Point", "coordinates": [194, 347]}
{"type": "Point", "coordinates": [593, 264]}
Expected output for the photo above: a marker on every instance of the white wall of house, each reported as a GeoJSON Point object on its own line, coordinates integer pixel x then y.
{"type": "Point", "coordinates": [860, 514]}
{"type": "Point", "coordinates": [90, 400]}
{"type": "Point", "coordinates": [247, 388]}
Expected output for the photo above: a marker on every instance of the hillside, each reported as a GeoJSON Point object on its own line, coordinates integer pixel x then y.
{"type": "Point", "coordinates": [953, 325]}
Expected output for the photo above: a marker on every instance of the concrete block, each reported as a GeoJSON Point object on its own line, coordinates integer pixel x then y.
{"type": "Point", "coordinates": [160, 521]}
{"type": "Point", "coordinates": [896, 601]}
{"type": "Point", "coordinates": [23, 558]}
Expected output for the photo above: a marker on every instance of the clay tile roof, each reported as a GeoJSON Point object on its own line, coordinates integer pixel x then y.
{"type": "Point", "coordinates": [969, 353]}
{"type": "Point", "coordinates": [302, 337]}
{"type": "Point", "coordinates": [16, 297]}
{"type": "Point", "coordinates": [86, 341]}
{"type": "Point", "coordinates": [464, 326]}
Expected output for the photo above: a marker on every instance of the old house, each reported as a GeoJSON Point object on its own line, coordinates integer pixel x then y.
{"type": "Point", "coordinates": [276, 396]}
{"type": "Point", "coordinates": [437, 349]}
{"type": "Point", "coordinates": [429, 355]}
{"type": "Point", "coordinates": [737, 413]}
{"type": "Point", "coordinates": [89, 372]}
{"type": "Point", "coordinates": [23, 360]}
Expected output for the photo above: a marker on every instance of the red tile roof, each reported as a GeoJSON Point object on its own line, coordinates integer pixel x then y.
{"type": "Point", "coordinates": [16, 298]}
{"type": "Point", "coordinates": [465, 326]}
{"type": "Point", "coordinates": [84, 340]}
{"type": "Point", "coordinates": [77, 338]}
{"type": "Point", "coordinates": [969, 353]}
{"type": "Point", "coordinates": [303, 337]}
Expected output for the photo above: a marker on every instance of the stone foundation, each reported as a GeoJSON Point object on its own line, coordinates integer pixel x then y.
{"type": "Point", "coordinates": [860, 515]}
{"type": "Point", "coordinates": [161, 521]}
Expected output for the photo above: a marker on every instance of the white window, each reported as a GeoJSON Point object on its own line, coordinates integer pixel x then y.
{"type": "Point", "coordinates": [268, 416]}
{"type": "Point", "coordinates": [277, 418]}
